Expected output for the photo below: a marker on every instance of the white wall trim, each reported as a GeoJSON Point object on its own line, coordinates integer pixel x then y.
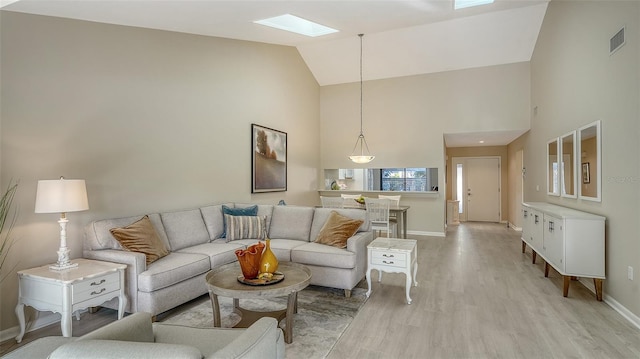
{"type": "Point", "coordinates": [424, 233]}
{"type": "Point", "coordinates": [626, 313]}
{"type": "Point", "coordinates": [517, 229]}
{"type": "Point", "coordinates": [42, 320]}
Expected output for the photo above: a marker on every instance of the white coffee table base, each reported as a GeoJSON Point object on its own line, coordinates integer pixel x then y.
{"type": "Point", "coordinates": [393, 255]}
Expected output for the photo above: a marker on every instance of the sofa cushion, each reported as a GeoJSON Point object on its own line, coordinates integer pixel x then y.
{"type": "Point", "coordinates": [244, 227]}
{"type": "Point", "coordinates": [281, 248]}
{"type": "Point", "coordinates": [172, 269]}
{"type": "Point", "coordinates": [337, 229]}
{"type": "Point", "coordinates": [98, 234]}
{"type": "Point", "coordinates": [212, 216]}
{"type": "Point", "coordinates": [323, 256]}
{"type": "Point", "coordinates": [137, 327]}
{"type": "Point", "coordinates": [185, 228]}
{"type": "Point", "coordinates": [291, 222]}
{"type": "Point", "coordinates": [141, 237]}
{"type": "Point", "coordinates": [39, 348]}
{"type": "Point", "coordinates": [218, 253]}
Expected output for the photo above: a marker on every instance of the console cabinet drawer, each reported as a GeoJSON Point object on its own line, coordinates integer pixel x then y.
{"type": "Point", "coordinates": [97, 286]}
{"type": "Point", "coordinates": [388, 258]}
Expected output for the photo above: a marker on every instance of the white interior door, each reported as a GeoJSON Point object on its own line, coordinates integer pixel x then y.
{"type": "Point", "coordinates": [483, 189]}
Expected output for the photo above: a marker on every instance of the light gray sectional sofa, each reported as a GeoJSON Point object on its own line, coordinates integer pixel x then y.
{"type": "Point", "coordinates": [193, 237]}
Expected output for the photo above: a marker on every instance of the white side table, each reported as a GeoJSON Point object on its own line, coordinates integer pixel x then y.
{"type": "Point", "coordinates": [393, 255]}
{"type": "Point", "coordinates": [88, 285]}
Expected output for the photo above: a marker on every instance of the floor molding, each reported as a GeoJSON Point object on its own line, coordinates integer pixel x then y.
{"type": "Point", "coordinates": [614, 304]}
{"type": "Point", "coordinates": [42, 320]}
{"type": "Point", "coordinates": [430, 234]}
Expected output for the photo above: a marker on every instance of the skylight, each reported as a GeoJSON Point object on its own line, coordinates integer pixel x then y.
{"type": "Point", "coordinates": [298, 25]}
{"type": "Point", "coordinates": [461, 4]}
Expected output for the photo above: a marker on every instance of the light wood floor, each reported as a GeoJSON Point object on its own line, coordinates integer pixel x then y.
{"type": "Point", "coordinates": [478, 297]}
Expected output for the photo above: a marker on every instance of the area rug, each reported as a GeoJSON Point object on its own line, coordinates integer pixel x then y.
{"type": "Point", "coordinates": [323, 315]}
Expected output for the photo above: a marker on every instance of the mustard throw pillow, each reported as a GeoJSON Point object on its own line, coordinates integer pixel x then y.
{"type": "Point", "coordinates": [141, 237]}
{"type": "Point", "coordinates": [337, 230]}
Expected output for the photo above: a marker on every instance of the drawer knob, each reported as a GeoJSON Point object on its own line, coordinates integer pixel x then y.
{"type": "Point", "coordinates": [385, 262]}
{"type": "Point", "coordinates": [388, 255]}
{"type": "Point", "coordinates": [96, 293]}
{"type": "Point", "coordinates": [102, 281]}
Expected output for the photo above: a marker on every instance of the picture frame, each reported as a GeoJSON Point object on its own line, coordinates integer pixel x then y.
{"type": "Point", "coordinates": [268, 159]}
{"type": "Point", "coordinates": [586, 175]}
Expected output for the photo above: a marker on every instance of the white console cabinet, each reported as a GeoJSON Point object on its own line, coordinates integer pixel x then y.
{"type": "Point", "coordinates": [570, 241]}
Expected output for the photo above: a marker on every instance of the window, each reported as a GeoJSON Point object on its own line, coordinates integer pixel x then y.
{"type": "Point", "coordinates": [404, 179]}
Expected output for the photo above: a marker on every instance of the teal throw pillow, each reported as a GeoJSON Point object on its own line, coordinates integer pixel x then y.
{"type": "Point", "coordinates": [244, 211]}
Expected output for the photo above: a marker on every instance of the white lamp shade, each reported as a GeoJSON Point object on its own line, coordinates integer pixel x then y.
{"type": "Point", "coordinates": [61, 196]}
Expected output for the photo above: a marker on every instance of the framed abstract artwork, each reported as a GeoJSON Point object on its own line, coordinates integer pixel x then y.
{"type": "Point", "coordinates": [268, 159]}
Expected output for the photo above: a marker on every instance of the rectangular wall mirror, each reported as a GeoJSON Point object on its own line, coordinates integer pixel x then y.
{"type": "Point", "coordinates": [553, 170]}
{"type": "Point", "coordinates": [568, 165]}
{"type": "Point", "coordinates": [589, 150]}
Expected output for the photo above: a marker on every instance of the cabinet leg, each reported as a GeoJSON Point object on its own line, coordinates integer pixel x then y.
{"type": "Point", "coordinates": [93, 310]}
{"type": "Point", "coordinates": [65, 323]}
{"type": "Point", "coordinates": [524, 246]}
{"type": "Point", "coordinates": [546, 270]}
{"type": "Point", "coordinates": [598, 284]}
{"type": "Point", "coordinates": [533, 256]}
{"type": "Point", "coordinates": [21, 321]}
{"type": "Point", "coordinates": [565, 287]}
{"type": "Point", "coordinates": [368, 275]}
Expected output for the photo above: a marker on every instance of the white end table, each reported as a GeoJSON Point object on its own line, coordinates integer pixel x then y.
{"type": "Point", "coordinates": [89, 284]}
{"type": "Point", "coordinates": [393, 255]}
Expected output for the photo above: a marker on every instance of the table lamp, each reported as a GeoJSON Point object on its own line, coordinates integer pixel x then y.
{"type": "Point", "coordinates": [61, 196]}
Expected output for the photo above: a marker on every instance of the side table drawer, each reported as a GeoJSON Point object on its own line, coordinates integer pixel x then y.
{"type": "Point", "coordinates": [393, 259]}
{"type": "Point", "coordinates": [94, 287]}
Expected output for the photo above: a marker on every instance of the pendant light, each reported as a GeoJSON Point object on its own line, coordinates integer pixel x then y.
{"type": "Point", "coordinates": [362, 157]}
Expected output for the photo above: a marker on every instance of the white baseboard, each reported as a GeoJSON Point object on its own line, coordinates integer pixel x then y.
{"type": "Point", "coordinates": [42, 320]}
{"type": "Point", "coordinates": [517, 229]}
{"type": "Point", "coordinates": [626, 313]}
{"type": "Point", "coordinates": [423, 233]}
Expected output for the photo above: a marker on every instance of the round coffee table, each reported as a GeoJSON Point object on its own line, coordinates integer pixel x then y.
{"type": "Point", "coordinates": [223, 281]}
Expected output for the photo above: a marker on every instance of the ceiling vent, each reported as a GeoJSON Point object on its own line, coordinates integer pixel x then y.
{"type": "Point", "coordinates": [616, 42]}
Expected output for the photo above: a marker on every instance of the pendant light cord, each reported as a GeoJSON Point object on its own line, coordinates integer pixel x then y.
{"type": "Point", "coordinates": [360, 35]}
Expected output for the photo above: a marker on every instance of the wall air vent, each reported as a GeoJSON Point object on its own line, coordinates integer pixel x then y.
{"type": "Point", "coordinates": [616, 42]}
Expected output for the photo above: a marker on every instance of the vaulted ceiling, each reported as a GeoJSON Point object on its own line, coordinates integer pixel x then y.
{"type": "Point", "coordinates": [402, 37]}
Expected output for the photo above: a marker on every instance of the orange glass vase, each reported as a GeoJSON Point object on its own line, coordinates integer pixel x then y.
{"type": "Point", "coordinates": [268, 262]}
{"type": "Point", "coordinates": [250, 260]}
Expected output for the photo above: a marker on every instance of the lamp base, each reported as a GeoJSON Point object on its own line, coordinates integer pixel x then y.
{"type": "Point", "coordinates": [63, 266]}
{"type": "Point", "coordinates": [63, 260]}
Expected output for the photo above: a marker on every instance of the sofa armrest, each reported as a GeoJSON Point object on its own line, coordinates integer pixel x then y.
{"type": "Point", "coordinates": [136, 327]}
{"type": "Point", "coordinates": [136, 264]}
{"type": "Point", "coordinates": [263, 339]}
{"type": "Point", "coordinates": [358, 242]}
{"type": "Point", "coordinates": [358, 245]}
{"type": "Point", "coordinates": [118, 349]}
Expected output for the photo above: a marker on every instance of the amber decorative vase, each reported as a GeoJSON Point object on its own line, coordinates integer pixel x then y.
{"type": "Point", "coordinates": [268, 262]}
{"type": "Point", "coordinates": [249, 260]}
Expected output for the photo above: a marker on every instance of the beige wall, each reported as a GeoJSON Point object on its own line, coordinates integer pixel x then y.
{"type": "Point", "coordinates": [152, 120]}
{"type": "Point", "coordinates": [575, 82]}
{"type": "Point", "coordinates": [516, 180]}
{"type": "Point", "coordinates": [486, 151]}
{"type": "Point", "coordinates": [405, 119]}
